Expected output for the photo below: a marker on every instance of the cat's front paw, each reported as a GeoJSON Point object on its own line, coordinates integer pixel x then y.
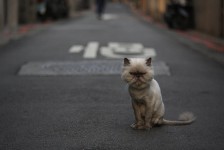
{"type": "Point", "coordinates": [133, 125]}
{"type": "Point", "coordinates": [148, 126]}
{"type": "Point", "coordinates": [137, 127]}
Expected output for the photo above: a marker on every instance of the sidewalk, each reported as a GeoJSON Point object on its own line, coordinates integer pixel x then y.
{"type": "Point", "coordinates": [210, 46]}
{"type": "Point", "coordinates": [22, 31]}
{"type": "Point", "coordinates": [30, 28]}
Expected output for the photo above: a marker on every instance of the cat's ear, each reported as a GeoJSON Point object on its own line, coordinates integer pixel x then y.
{"type": "Point", "coordinates": [149, 61]}
{"type": "Point", "coordinates": [126, 62]}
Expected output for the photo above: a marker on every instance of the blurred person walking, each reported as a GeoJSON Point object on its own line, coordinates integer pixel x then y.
{"type": "Point", "coordinates": [100, 7]}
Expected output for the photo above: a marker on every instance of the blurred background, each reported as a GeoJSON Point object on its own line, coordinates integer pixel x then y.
{"type": "Point", "coordinates": [206, 16]}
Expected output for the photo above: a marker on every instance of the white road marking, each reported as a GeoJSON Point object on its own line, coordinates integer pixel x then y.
{"type": "Point", "coordinates": [91, 50]}
{"type": "Point", "coordinates": [107, 52]}
{"type": "Point", "coordinates": [109, 16]}
{"type": "Point", "coordinates": [120, 50]}
{"type": "Point", "coordinates": [126, 48]}
{"type": "Point", "coordinates": [114, 50]}
{"type": "Point", "coordinates": [76, 49]}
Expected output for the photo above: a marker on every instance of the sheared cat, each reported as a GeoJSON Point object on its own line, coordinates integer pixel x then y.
{"type": "Point", "coordinates": [146, 96]}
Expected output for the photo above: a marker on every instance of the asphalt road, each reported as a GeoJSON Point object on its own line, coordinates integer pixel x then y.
{"type": "Point", "coordinates": [93, 111]}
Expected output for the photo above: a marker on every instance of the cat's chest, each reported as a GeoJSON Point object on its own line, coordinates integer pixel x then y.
{"type": "Point", "coordinates": [138, 95]}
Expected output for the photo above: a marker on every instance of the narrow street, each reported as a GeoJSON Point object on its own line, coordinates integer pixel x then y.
{"type": "Point", "coordinates": [61, 88]}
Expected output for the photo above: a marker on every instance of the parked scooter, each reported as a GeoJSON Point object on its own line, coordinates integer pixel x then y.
{"type": "Point", "coordinates": [177, 16]}
{"type": "Point", "coordinates": [51, 9]}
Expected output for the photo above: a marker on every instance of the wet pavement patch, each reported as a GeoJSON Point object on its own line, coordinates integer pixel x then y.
{"type": "Point", "coordinates": [90, 67]}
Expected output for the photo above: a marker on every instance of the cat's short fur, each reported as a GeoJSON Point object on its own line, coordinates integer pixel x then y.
{"type": "Point", "coordinates": [146, 95]}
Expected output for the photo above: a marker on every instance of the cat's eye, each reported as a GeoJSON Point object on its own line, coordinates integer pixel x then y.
{"type": "Point", "coordinates": [137, 73]}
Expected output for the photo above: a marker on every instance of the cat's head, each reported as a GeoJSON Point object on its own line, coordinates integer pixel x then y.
{"type": "Point", "coordinates": [137, 72]}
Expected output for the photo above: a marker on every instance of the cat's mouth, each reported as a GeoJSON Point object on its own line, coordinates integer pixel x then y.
{"type": "Point", "coordinates": [138, 80]}
{"type": "Point", "coordinates": [138, 83]}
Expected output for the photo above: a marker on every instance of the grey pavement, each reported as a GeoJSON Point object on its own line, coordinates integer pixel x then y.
{"type": "Point", "coordinates": [93, 111]}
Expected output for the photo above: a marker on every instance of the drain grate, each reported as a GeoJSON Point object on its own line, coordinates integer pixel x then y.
{"type": "Point", "coordinates": [93, 67]}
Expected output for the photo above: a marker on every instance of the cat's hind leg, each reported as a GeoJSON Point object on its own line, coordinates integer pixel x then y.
{"type": "Point", "coordinates": [157, 121]}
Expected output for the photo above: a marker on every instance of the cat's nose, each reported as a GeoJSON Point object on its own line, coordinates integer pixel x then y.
{"type": "Point", "coordinates": [138, 76]}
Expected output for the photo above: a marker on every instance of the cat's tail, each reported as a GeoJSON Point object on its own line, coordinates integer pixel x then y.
{"type": "Point", "coordinates": [184, 119]}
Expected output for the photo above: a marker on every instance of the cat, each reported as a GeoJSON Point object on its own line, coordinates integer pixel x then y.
{"type": "Point", "coordinates": [146, 95]}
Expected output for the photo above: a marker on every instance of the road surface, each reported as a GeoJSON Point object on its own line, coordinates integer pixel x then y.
{"type": "Point", "coordinates": [60, 88]}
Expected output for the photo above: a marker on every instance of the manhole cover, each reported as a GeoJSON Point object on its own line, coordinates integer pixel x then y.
{"type": "Point", "coordinates": [94, 67]}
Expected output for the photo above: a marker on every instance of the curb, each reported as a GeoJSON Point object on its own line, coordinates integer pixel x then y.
{"type": "Point", "coordinates": [28, 29]}
{"type": "Point", "coordinates": [6, 36]}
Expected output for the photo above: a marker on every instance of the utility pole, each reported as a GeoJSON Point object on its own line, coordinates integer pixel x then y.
{"type": "Point", "coordinates": [2, 18]}
{"type": "Point", "coordinates": [12, 15]}
{"type": "Point", "coordinates": [222, 18]}
{"type": "Point", "coordinates": [72, 7]}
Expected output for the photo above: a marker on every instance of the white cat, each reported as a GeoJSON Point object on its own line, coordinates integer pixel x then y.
{"type": "Point", "coordinates": [146, 95]}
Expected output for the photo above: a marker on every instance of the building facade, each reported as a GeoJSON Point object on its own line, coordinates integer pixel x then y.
{"type": "Point", "coordinates": [16, 12]}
